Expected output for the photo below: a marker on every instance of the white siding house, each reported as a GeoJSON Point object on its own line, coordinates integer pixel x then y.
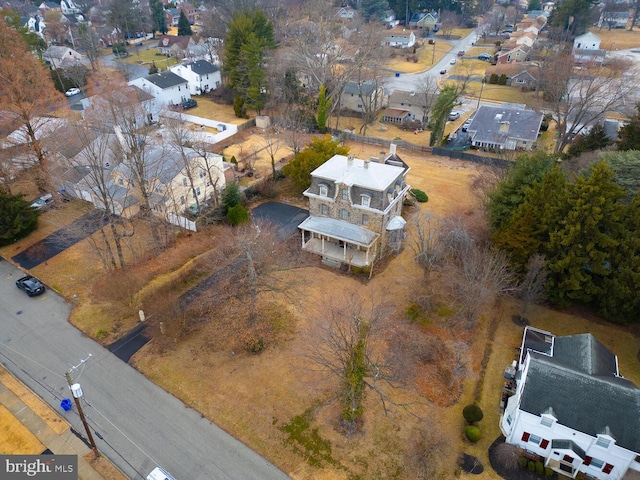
{"type": "Point", "coordinates": [166, 87]}
{"type": "Point", "coordinates": [571, 409]}
{"type": "Point", "coordinates": [201, 75]}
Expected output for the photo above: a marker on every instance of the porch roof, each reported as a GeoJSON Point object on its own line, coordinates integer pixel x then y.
{"type": "Point", "coordinates": [347, 232]}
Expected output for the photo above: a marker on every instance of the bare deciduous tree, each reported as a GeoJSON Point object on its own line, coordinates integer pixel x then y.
{"type": "Point", "coordinates": [432, 452]}
{"type": "Point", "coordinates": [532, 288]}
{"type": "Point", "coordinates": [272, 145]}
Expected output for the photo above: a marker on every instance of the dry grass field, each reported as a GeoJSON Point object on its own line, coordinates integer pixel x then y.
{"type": "Point", "coordinates": [618, 38]}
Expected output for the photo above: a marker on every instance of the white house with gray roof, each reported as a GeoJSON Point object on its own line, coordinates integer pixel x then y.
{"type": "Point", "coordinates": [362, 96]}
{"type": "Point", "coordinates": [571, 408]}
{"type": "Point", "coordinates": [166, 87]}
{"type": "Point", "coordinates": [508, 127]}
{"type": "Point", "coordinates": [201, 75]}
{"type": "Point", "coordinates": [355, 209]}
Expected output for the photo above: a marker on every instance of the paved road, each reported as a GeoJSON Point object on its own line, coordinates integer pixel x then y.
{"type": "Point", "coordinates": [138, 425]}
{"type": "Point", "coordinates": [412, 81]}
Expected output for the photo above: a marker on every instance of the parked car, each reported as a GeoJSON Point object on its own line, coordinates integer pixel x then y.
{"type": "Point", "coordinates": [453, 61]}
{"type": "Point", "coordinates": [465, 125]}
{"type": "Point", "coordinates": [72, 91]}
{"type": "Point", "coordinates": [189, 104]}
{"type": "Point", "coordinates": [43, 202]}
{"type": "Point", "coordinates": [454, 115]}
{"type": "Point", "coordinates": [443, 71]}
{"type": "Point", "coordinates": [461, 53]}
{"type": "Point", "coordinates": [484, 56]}
{"type": "Point", "coordinates": [31, 285]}
{"type": "Point", "coordinates": [159, 474]}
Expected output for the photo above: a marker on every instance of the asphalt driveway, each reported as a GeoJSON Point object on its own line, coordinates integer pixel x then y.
{"type": "Point", "coordinates": [285, 217]}
{"type": "Point", "coordinates": [60, 240]}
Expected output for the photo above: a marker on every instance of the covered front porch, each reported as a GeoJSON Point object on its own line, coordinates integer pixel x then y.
{"type": "Point", "coordinates": [339, 241]}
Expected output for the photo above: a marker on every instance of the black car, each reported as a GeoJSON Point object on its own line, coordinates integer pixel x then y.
{"type": "Point", "coordinates": [31, 285]}
{"type": "Point", "coordinates": [189, 104]}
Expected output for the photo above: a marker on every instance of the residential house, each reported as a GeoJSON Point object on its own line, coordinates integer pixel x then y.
{"type": "Point", "coordinates": [519, 53]}
{"type": "Point", "coordinates": [566, 404]}
{"type": "Point", "coordinates": [346, 13]}
{"type": "Point", "coordinates": [166, 87]}
{"type": "Point", "coordinates": [363, 96]}
{"type": "Point", "coordinates": [167, 178]}
{"type": "Point", "coordinates": [428, 21]}
{"type": "Point", "coordinates": [173, 16]}
{"type": "Point", "coordinates": [518, 74]}
{"type": "Point", "coordinates": [586, 49]}
{"type": "Point", "coordinates": [587, 41]}
{"type": "Point", "coordinates": [415, 104]}
{"type": "Point", "coordinates": [504, 128]}
{"type": "Point", "coordinates": [389, 18]}
{"type": "Point", "coordinates": [201, 75]}
{"type": "Point", "coordinates": [355, 209]}
{"type": "Point", "coordinates": [185, 46]}
{"type": "Point", "coordinates": [59, 57]}
{"type": "Point", "coordinates": [399, 37]}
{"type": "Point", "coordinates": [613, 19]}
{"type": "Point", "coordinates": [189, 12]}
{"type": "Point", "coordinates": [139, 106]}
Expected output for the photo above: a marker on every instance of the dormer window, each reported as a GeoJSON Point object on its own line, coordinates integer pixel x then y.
{"type": "Point", "coordinates": [547, 420]}
{"type": "Point", "coordinates": [344, 193]}
{"type": "Point", "coordinates": [365, 200]}
{"type": "Point", "coordinates": [324, 190]}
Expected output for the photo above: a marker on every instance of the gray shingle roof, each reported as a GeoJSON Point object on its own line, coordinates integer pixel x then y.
{"type": "Point", "coordinates": [166, 79]}
{"type": "Point", "coordinates": [586, 354]}
{"type": "Point", "coordinates": [519, 124]}
{"type": "Point", "coordinates": [202, 67]}
{"type": "Point", "coordinates": [355, 88]}
{"type": "Point", "coordinates": [592, 404]}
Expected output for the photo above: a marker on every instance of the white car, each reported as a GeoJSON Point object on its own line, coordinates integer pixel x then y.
{"type": "Point", "coordinates": [159, 474]}
{"type": "Point", "coordinates": [453, 61]}
{"type": "Point", "coordinates": [72, 91]}
{"type": "Point", "coordinates": [454, 115]}
{"type": "Point", "coordinates": [43, 202]}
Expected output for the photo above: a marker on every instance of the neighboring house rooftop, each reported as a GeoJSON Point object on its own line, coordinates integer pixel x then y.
{"type": "Point", "coordinates": [496, 124]}
{"type": "Point", "coordinates": [589, 403]}
{"type": "Point", "coordinates": [377, 176]}
{"type": "Point", "coordinates": [364, 88]}
{"type": "Point", "coordinates": [165, 79]}
{"type": "Point", "coordinates": [202, 67]}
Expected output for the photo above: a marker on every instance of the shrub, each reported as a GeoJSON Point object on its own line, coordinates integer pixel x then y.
{"type": "Point", "coordinates": [238, 215]}
{"type": "Point", "coordinates": [532, 466]}
{"type": "Point", "coordinates": [472, 413]}
{"type": "Point", "coordinates": [548, 472]}
{"type": "Point", "coordinates": [101, 333]}
{"type": "Point", "coordinates": [524, 462]}
{"type": "Point", "coordinates": [420, 195]}
{"type": "Point", "coordinates": [472, 433]}
{"type": "Point", "coordinates": [413, 312]}
{"type": "Point", "coordinates": [539, 468]}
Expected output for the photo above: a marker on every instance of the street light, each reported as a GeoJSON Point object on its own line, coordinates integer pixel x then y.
{"type": "Point", "coordinates": [484, 81]}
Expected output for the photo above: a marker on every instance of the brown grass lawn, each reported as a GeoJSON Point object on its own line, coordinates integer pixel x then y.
{"type": "Point", "coordinates": [618, 38]}
{"type": "Point", "coordinates": [223, 113]}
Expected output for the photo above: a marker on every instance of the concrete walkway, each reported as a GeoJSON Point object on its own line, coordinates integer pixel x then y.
{"type": "Point", "coordinates": [63, 442]}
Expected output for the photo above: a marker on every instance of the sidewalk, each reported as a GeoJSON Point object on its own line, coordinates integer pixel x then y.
{"type": "Point", "coordinates": [49, 428]}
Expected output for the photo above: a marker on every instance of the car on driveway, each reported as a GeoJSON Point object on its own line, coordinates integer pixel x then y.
{"type": "Point", "coordinates": [72, 91]}
{"type": "Point", "coordinates": [43, 202]}
{"type": "Point", "coordinates": [31, 285]}
{"type": "Point", "coordinates": [484, 56]}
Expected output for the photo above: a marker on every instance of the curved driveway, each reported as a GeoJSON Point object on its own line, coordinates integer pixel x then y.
{"type": "Point", "coordinates": [136, 423]}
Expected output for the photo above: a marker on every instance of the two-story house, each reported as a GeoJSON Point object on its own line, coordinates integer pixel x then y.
{"type": "Point", "coordinates": [399, 37]}
{"type": "Point", "coordinates": [355, 209]}
{"type": "Point", "coordinates": [362, 96]}
{"type": "Point", "coordinates": [166, 87]}
{"type": "Point", "coordinates": [201, 75]}
{"type": "Point", "coordinates": [571, 408]}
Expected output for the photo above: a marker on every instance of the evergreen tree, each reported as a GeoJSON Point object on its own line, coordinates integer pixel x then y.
{"type": "Point", "coordinates": [373, 9]}
{"type": "Point", "coordinates": [249, 34]}
{"type": "Point", "coordinates": [323, 108]}
{"type": "Point", "coordinates": [534, 5]}
{"type": "Point", "coordinates": [596, 139]}
{"type": "Point", "coordinates": [626, 169]}
{"type": "Point", "coordinates": [570, 19]}
{"type": "Point", "coordinates": [153, 68]}
{"type": "Point", "coordinates": [582, 248]}
{"type": "Point", "coordinates": [315, 154]}
{"type": "Point", "coordinates": [629, 134]}
{"type": "Point", "coordinates": [620, 300]}
{"type": "Point", "coordinates": [441, 111]}
{"type": "Point", "coordinates": [184, 27]}
{"type": "Point", "coordinates": [510, 192]}
{"type": "Point", "coordinates": [17, 218]}
{"type": "Point", "coordinates": [231, 196]}
{"type": "Point", "coordinates": [158, 18]}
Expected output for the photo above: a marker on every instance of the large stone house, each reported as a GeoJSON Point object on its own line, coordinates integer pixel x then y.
{"type": "Point", "coordinates": [566, 404]}
{"type": "Point", "coordinates": [355, 209]}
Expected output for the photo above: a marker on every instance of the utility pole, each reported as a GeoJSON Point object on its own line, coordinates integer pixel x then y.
{"type": "Point", "coordinates": [76, 391]}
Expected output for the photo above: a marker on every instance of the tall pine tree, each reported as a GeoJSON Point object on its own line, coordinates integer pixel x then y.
{"type": "Point", "coordinates": [184, 28]}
